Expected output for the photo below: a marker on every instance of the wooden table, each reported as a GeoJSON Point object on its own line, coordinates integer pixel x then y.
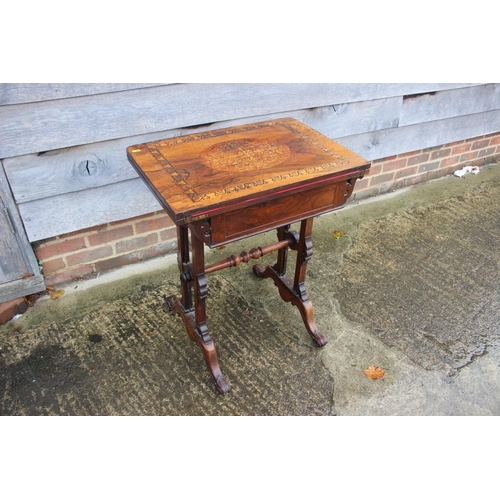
{"type": "Point", "coordinates": [232, 183]}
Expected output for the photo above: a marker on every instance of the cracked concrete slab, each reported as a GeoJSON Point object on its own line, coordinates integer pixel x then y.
{"type": "Point", "coordinates": [411, 286]}
{"type": "Point", "coordinates": [391, 279]}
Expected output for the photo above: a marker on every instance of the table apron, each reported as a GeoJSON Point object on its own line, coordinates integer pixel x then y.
{"type": "Point", "coordinates": [254, 219]}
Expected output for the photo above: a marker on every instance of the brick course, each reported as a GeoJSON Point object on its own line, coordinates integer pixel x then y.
{"type": "Point", "coordinates": [428, 166]}
{"type": "Point", "coordinates": [463, 148]}
{"type": "Point", "coordinates": [9, 309]}
{"type": "Point", "coordinates": [108, 246]}
{"type": "Point", "coordinates": [102, 248]}
{"type": "Point", "coordinates": [441, 153]}
{"type": "Point", "coordinates": [415, 167]}
{"type": "Point", "coordinates": [394, 165]}
{"type": "Point", "coordinates": [419, 158]}
{"type": "Point", "coordinates": [105, 235]}
{"type": "Point", "coordinates": [60, 247]}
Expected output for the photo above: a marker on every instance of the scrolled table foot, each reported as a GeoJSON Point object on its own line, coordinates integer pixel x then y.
{"type": "Point", "coordinates": [170, 302]}
{"type": "Point", "coordinates": [319, 338]}
{"type": "Point", "coordinates": [212, 362]}
{"type": "Point", "coordinates": [222, 384]}
{"type": "Point", "coordinates": [306, 311]}
{"type": "Point", "coordinates": [202, 338]}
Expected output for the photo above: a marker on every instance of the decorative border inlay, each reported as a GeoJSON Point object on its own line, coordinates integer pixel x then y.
{"type": "Point", "coordinates": [174, 173]}
{"type": "Point", "coordinates": [190, 191]}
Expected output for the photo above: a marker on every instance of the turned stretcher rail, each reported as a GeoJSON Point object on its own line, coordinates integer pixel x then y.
{"type": "Point", "coordinates": [254, 253]}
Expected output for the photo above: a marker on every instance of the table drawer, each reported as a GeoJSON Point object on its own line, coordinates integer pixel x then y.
{"type": "Point", "coordinates": [274, 213]}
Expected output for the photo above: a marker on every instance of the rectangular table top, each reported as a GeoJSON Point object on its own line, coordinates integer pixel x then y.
{"type": "Point", "coordinates": [197, 175]}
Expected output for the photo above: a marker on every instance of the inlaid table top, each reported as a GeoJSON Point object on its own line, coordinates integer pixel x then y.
{"type": "Point", "coordinates": [205, 174]}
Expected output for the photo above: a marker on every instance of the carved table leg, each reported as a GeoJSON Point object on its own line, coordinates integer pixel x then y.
{"type": "Point", "coordinates": [281, 261]}
{"type": "Point", "coordinates": [185, 267]}
{"type": "Point", "coordinates": [294, 291]}
{"type": "Point", "coordinates": [193, 277]}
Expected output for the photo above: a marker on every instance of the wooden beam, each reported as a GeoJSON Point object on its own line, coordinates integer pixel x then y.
{"type": "Point", "coordinates": [21, 288]}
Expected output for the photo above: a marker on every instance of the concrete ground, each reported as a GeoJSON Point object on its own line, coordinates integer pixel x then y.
{"type": "Point", "coordinates": [407, 282]}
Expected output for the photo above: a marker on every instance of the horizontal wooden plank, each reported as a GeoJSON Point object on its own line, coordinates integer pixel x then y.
{"type": "Point", "coordinates": [69, 170]}
{"type": "Point", "coordinates": [21, 288]}
{"type": "Point", "coordinates": [340, 120]}
{"type": "Point", "coordinates": [450, 103]}
{"type": "Point", "coordinates": [66, 213]}
{"type": "Point", "coordinates": [17, 93]}
{"type": "Point", "coordinates": [85, 167]}
{"type": "Point", "coordinates": [44, 126]}
{"type": "Point", "coordinates": [389, 142]}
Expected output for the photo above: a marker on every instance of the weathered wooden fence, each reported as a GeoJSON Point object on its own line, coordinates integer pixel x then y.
{"type": "Point", "coordinates": [63, 145]}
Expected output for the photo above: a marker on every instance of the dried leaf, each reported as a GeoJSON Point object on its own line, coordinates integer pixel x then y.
{"type": "Point", "coordinates": [26, 276]}
{"type": "Point", "coordinates": [337, 234]}
{"type": "Point", "coordinates": [55, 294]}
{"type": "Point", "coordinates": [374, 372]}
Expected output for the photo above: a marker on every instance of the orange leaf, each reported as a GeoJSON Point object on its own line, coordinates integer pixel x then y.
{"type": "Point", "coordinates": [374, 372]}
{"type": "Point", "coordinates": [337, 234]}
{"type": "Point", "coordinates": [55, 294]}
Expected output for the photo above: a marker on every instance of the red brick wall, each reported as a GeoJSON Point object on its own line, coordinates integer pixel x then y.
{"type": "Point", "coordinates": [91, 251]}
{"type": "Point", "coordinates": [95, 250]}
{"type": "Point", "coordinates": [408, 169]}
